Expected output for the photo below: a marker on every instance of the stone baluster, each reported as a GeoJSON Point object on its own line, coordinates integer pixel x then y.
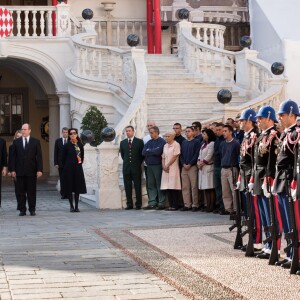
{"type": "Point", "coordinates": [205, 37]}
{"type": "Point", "coordinates": [126, 29]}
{"type": "Point", "coordinates": [222, 73]}
{"type": "Point", "coordinates": [99, 64]}
{"type": "Point", "coordinates": [165, 17]}
{"type": "Point", "coordinates": [49, 24]}
{"type": "Point", "coordinates": [141, 33]}
{"type": "Point", "coordinates": [217, 38]}
{"type": "Point", "coordinates": [211, 37]}
{"type": "Point", "coordinates": [83, 61]}
{"type": "Point", "coordinates": [34, 22]}
{"type": "Point", "coordinates": [213, 65]}
{"type": "Point", "coordinates": [198, 37]}
{"type": "Point", "coordinates": [19, 23]}
{"type": "Point", "coordinates": [42, 23]}
{"type": "Point", "coordinates": [222, 39]}
{"type": "Point", "coordinates": [26, 23]}
{"type": "Point", "coordinates": [118, 33]}
{"type": "Point", "coordinates": [252, 77]}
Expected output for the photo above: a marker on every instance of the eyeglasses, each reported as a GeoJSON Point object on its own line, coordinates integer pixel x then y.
{"type": "Point", "coordinates": [73, 133]}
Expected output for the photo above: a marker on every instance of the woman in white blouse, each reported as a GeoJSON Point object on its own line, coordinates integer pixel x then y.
{"type": "Point", "coordinates": [206, 169]}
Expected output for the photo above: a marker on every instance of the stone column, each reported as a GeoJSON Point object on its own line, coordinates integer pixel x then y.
{"type": "Point", "coordinates": [64, 110]}
{"type": "Point", "coordinates": [108, 194]}
{"type": "Point", "coordinates": [53, 130]}
{"type": "Point", "coordinates": [63, 21]}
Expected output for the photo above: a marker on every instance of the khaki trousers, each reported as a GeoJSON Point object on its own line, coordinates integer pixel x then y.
{"type": "Point", "coordinates": [190, 187]}
{"type": "Point", "coordinates": [228, 192]}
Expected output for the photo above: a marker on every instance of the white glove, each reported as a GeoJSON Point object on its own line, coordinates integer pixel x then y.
{"type": "Point", "coordinates": [237, 185]}
{"type": "Point", "coordinates": [294, 193]}
{"type": "Point", "coordinates": [250, 186]}
{"type": "Point", "coordinates": [265, 191]}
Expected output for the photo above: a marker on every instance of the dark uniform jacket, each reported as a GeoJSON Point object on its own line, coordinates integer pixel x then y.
{"type": "Point", "coordinates": [265, 154]}
{"type": "Point", "coordinates": [26, 162]}
{"type": "Point", "coordinates": [58, 152]}
{"type": "Point", "coordinates": [132, 157]}
{"type": "Point", "coordinates": [246, 158]}
{"type": "Point", "coordinates": [286, 160]}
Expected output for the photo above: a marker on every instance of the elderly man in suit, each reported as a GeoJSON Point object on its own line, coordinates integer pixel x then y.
{"type": "Point", "coordinates": [3, 162]}
{"type": "Point", "coordinates": [131, 153]}
{"type": "Point", "coordinates": [58, 150]}
{"type": "Point", "coordinates": [26, 167]}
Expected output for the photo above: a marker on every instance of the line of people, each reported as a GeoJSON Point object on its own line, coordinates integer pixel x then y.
{"type": "Point", "coordinates": [254, 154]}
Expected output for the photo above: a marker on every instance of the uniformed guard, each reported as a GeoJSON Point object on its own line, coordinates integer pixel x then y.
{"type": "Point", "coordinates": [286, 163]}
{"type": "Point", "coordinates": [296, 195]}
{"type": "Point", "coordinates": [250, 205]}
{"type": "Point", "coordinates": [265, 153]}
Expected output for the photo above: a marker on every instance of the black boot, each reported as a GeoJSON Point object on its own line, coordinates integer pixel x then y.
{"type": "Point", "coordinates": [70, 197]}
{"type": "Point", "coordinates": [76, 202]}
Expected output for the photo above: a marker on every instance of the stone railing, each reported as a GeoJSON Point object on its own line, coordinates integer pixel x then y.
{"type": "Point", "coordinates": [40, 21]}
{"type": "Point", "coordinates": [210, 34]}
{"type": "Point", "coordinates": [242, 71]}
{"type": "Point", "coordinates": [218, 14]}
{"type": "Point", "coordinates": [210, 63]}
{"type": "Point", "coordinates": [103, 64]}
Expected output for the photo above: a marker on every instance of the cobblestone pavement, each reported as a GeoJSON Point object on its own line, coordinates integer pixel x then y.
{"type": "Point", "coordinates": [117, 254]}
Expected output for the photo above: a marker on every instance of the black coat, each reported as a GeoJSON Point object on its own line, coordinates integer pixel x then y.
{"type": "Point", "coordinates": [3, 154]}
{"type": "Point", "coordinates": [58, 152]}
{"type": "Point", "coordinates": [26, 162]}
{"type": "Point", "coordinates": [72, 180]}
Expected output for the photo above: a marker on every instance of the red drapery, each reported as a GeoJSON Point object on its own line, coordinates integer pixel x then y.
{"type": "Point", "coordinates": [157, 27]}
{"type": "Point", "coordinates": [150, 26]}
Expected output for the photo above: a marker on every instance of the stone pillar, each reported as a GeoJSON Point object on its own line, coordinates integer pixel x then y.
{"type": "Point", "coordinates": [109, 193]}
{"type": "Point", "coordinates": [242, 67]}
{"type": "Point", "coordinates": [64, 110]}
{"type": "Point", "coordinates": [63, 21]}
{"type": "Point", "coordinates": [90, 168]}
{"type": "Point", "coordinates": [53, 130]}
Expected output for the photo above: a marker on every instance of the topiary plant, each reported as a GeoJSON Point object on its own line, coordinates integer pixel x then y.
{"type": "Point", "coordinates": [95, 121]}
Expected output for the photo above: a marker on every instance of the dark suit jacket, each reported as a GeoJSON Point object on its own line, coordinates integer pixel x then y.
{"type": "Point", "coordinates": [58, 152]}
{"type": "Point", "coordinates": [132, 158]}
{"type": "Point", "coordinates": [3, 154]}
{"type": "Point", "coordinates": [26, 162]}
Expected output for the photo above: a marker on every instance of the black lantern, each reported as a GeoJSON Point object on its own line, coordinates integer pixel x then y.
{"type": "Point", "coordinates": [133, 40]}
{"type": "Point", "coordinates": [224, 96]}
{"type": "Point", "coordinates": [183, 14]}
{"type": "Point", "coordinates": [277, 68]}
{"type": "Point", "coordinates": [87, 137]}
{"type": "Point", "coordinates": [245, 41]}
{"type": "Point", "coordinates": [108, 134]}
{"type": "Point", "coordinates": [87, 14]}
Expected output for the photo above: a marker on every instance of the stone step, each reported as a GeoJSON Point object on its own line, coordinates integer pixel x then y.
{"type": "Point", "coordinates": [173, 72]}
{"type": "Point", "coordinates": [170, 75]}
{"type": "Point", "coordinates": [189, 98]}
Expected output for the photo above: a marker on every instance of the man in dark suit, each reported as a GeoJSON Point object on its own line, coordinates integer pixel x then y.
{"type": "Point", "coordinates": [26, 167]}
{"type": "Point", "coordinates": [58, 150]}
{"type": "Point", "coordinates": [3, 162]}
{"type": "Point", "coordinates": [131, 153]}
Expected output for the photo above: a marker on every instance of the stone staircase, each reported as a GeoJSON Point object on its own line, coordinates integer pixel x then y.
{"type": "Point", "coordinates": [175, 95]}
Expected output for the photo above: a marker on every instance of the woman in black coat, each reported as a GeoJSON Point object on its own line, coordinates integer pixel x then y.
{"type": "Point", "coordinates": [73, 181]}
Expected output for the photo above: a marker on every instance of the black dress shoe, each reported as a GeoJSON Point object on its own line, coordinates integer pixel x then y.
{"type": "Point", "coordinates": [22, 213]}
{"type": "Point", "coordinates": [184, 208]}
{"type": "Point", "coordinates": [149, 207]}
{"type": "Point", "coordinates": [287, 265]}
{"type": "Point", "coordinates": [224, 213]}
{"type": "Point", "coordinates": [194, 209]}
{"type": "Point", "coordinates": [281, 262]}
{"type": "Point", "coordinates": [137, 207]}
{"type": "Point", "coordinates": [72, 209]}
{"type": "Point", "coordinates": [76, 210]}
{"type": "Point", "coordinates": [128, 207]}
{"type": "Point", "coordinates": [160, 207]}
{"type": "Point", "coordinates": [32, 213]}
{"type": "Point", "coordinates": [243, 248]}
{"type": "Point", "coordinates": [263, 255]}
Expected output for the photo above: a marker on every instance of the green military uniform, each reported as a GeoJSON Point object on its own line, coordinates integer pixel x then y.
{"type": "Point", "coordinates": [131, 153]}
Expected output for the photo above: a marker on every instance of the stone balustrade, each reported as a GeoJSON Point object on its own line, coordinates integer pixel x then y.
{"type": "Point", "coordinates": [103, 64]}
{"type": "Point", "coordinates": [210, 34]}
{"type": "Point", "coordinates": [209, 63]}
{"type": "Point", "coordinates": [218, 14]}
{"type": "Point", "coordinates": [32, 21]}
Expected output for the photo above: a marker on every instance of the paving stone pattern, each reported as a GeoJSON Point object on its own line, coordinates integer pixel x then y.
{"type": "Point", "coordinates": [118, 254]}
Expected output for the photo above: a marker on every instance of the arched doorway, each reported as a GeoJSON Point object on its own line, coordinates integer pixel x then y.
{"type": "Point", "coordinates": [28, 95]}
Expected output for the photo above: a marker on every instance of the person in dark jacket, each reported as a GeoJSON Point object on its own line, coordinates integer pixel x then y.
{"type": "Point", "coordinates": [17, 135]}
{"type": "Point", "coordinates": [26, 167]}
{"type": "Point", "coordinates": [73, 181]}
{"type": "Point", "coordinates": [3, 162]}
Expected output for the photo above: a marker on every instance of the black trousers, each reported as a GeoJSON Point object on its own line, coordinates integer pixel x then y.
{"type": "Point", "coordinates": [60, 169]}
{"type": "Point", "coordinates": [26, 189]}
{"type": "Point", "coordinates": [136, 178]}
{"type": "Point", "coordinates": [173, 198]}
{"type": "Point", "coordinates": [0, 187]}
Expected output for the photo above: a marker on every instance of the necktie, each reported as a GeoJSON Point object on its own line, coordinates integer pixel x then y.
{"type": "Point", "coordinates": [25, 143]}
{"type": "Point", "coordinates": [129, 143]}
{"type": "Point", "coordinates": [65, 141]}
